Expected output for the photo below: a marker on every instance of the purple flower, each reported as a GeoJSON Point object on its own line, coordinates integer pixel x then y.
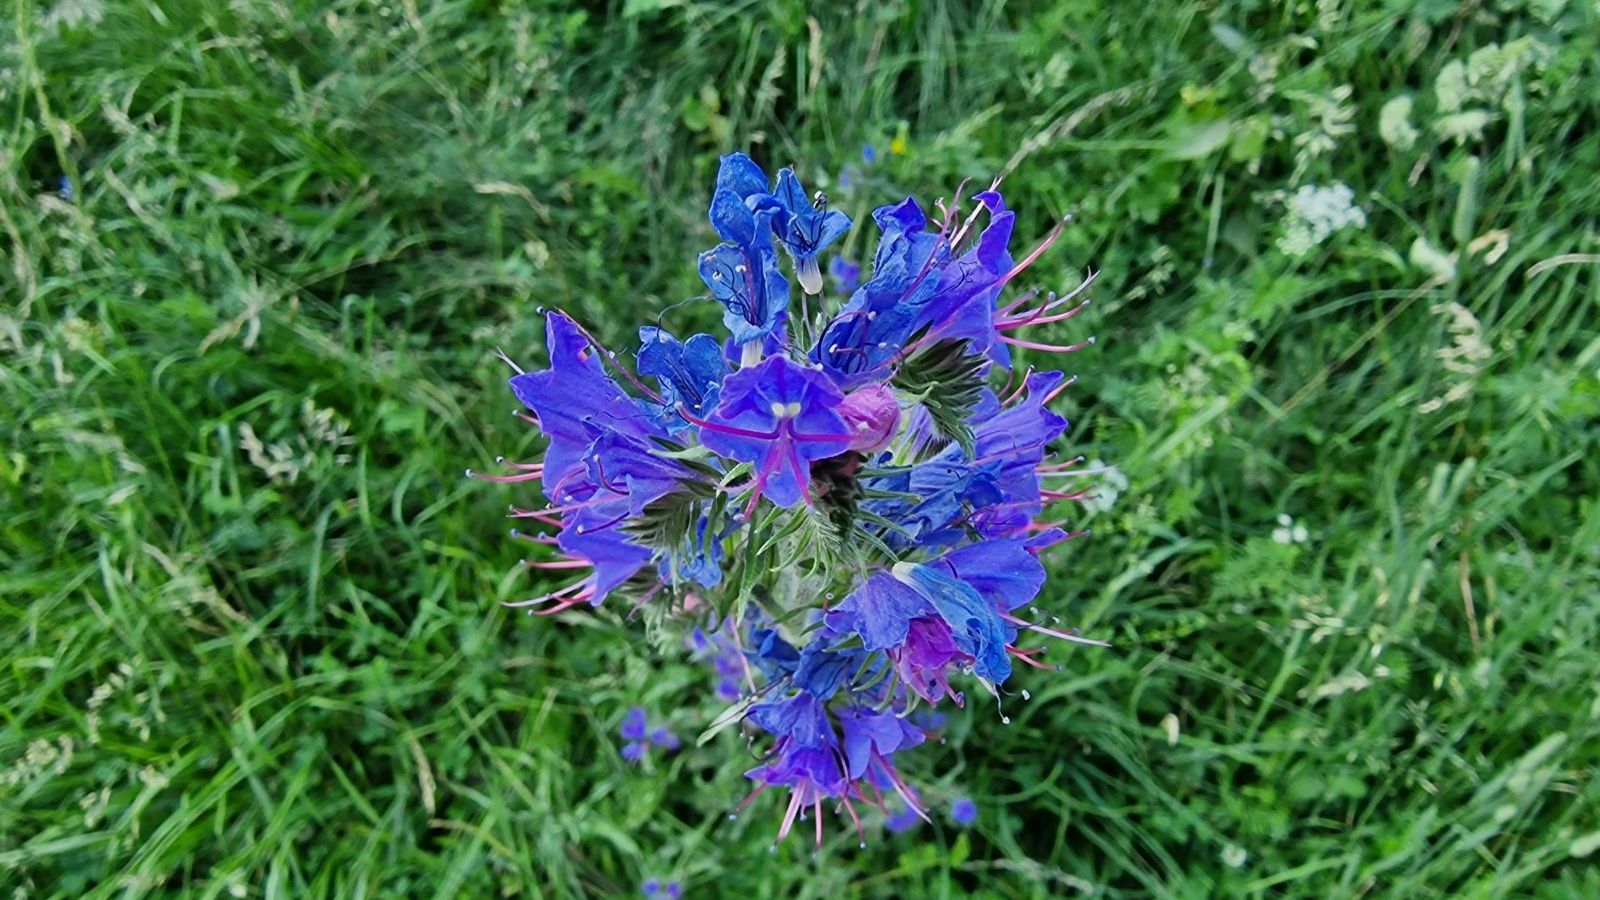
{"type": "Point", "coordinates": [1014, 434]}
{"type": "Point", "coordinates": [778, 416]}
{"type": "Point", "coordinates": [574, 400]}
{"type": "Point", "coordinates": [690, 373]}
{"type": "Point", "coordinates": [846, 275]}
{"type": "Point", "coordinates": [963, 811]}
{"type": "Point", "coordinates": [928, 285]}
{"type": "Point", "coordinates": [927, 658]}
{"type": "Point", "coordinates": [941, 495]}
{"type": "Point", "coordinates": [975, 627]}
{"type": "Point", "coordinates": [654, 887]}
{"type": "Point", "coordinates": [726, 659]}
{"type": "Point", "coordinates": [640, 737]}
{"type": "Point", "coordinates": [871, 329]}
{"type": "Point", "coordinates": [775, 657]}
{"type": "Point", "coordinates": [742, 273]}
{"type": "Point", "coordinates": [635, 724]}
{"type": "Point", "coordinates": [618, 477]}
{"type": "Point", "coordinates": [873, 414]}
{"type": "Point", "coordinates": [903, 820]}
{"type": "Point", "coordinates": [869, 154]}
{"type": "Point", "coordinates": [927, 498]}
{"type": "Point", "coordinates": [954, 600]}
{"type": "Point", "coordinates": [871, 739]}
{"type": "Point", "coordinates": [807, 227]}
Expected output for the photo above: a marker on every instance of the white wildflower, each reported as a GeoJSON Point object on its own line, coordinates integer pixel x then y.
{"type": "Point", "coordinates": [1464, 126]}
{"type": "Point", "coordinates": [1450, 88]}
{"type": "Point", "coordinates": [71, 14]}
{"type": "Point", "coordinates": [1313, 214]}
{"type": "Point", "coordinates": [1440, 265]}
{"type": "Point", "coordinates": [1289, 532]}
{"type": "Point", "coordinates": [1494, 69]}
{"type": "Point", "coordinates": [1394, 123]}
{"type": "Point", "coordinates": [1110, 486]}
{"type": "Point", "coordinates": [1346, 683]}
{"type": "Point", "coordinates": [1234, 856]}
{"type": "Point", "coordinates": [1169, 724]}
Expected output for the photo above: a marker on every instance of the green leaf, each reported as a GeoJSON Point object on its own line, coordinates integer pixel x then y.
{"type": "Point", "coordinates": [947, 379]}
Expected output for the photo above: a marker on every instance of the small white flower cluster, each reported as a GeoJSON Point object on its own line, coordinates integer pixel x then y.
{"type": "Point", "coordinates": [1315, 213]}
{"type": "Point", "coordinates": [1491, 76]}
{"type": "Point", "coordinates": [69, 15]}
{"type": "Point", "coordinates": [1110, 486]}
{"type": "Point", "coordinates": [1289, 531]}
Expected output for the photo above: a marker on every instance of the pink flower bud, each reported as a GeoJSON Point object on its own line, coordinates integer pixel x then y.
{"type": "Point", "coordinates": [873, 414]}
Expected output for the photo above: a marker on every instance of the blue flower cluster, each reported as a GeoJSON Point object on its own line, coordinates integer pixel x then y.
{"type": "Point", "coordinates": [842, 506]}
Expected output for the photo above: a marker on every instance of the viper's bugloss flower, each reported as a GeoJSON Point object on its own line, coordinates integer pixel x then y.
{"type": "Point", "coordinates": [639, 737]}
{"type": "Point", "coordinates": [846, 275]}
{"type": "Point", "coordinates": [963, 811]}
{"type": "Point", "coordinates": [840, 510]}
{"type": "Point", "coordinates": [778, 416]}
{"type": "Point", "coordinates": [656, 888]}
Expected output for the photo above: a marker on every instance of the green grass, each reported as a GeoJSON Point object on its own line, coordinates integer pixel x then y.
{"type": "Point", "coordinates": [227, 671]}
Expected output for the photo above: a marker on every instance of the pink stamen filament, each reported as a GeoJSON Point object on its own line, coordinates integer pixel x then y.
{"type": "Point", "coordinates": [1063, 635]}
{"type": "Point", "coordinates": [1037, 252]}
{"type": "Point", "coordinates": [788, 817]}
{"type": "Point", "coordinates": [1053, 301]}
{"type": "Point", "coordinates": [545, 539]}
{"type": "Point", "coordinates": [1022, 388]}
{"type": "Point", "coordinates": [537, 515]}
{"type": "Point", "coordinates": [750, 798]}
{"type": "Point", "coordinates": [572, 507]}
{"type": "Point", "coordinates": [1026, 656]}
{"type": "Point", "coordinates": [561, 564]}
{"type": "Point", "coordinates": [562, 607]}
{"type": "Point", "coordinates": [725, 429]}
{"type": "Point", "coordinates": [1048, 348]}
{"type": "Point", "coordinates": [1056, 391]}
{"type": "Point", "coordinates": [579, 587]}
{"type": "Point", "coordinates": [1025, 297]}
{"type": "Point", "coordinates": [850, 808]}
{"type": "Point", "coordinates": [505, 479]}
{"type": "Point", "coordinates": [903, 789]}
{"type": "Point", "coordinates": [1056, 467]}
{"type": "Point", "coordinates": [536, 467]}
{"type": "Point", "coordinates": [1038, 317]}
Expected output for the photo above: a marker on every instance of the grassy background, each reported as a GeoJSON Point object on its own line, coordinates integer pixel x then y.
{"type": "Point", "coordinates": [252, 640]}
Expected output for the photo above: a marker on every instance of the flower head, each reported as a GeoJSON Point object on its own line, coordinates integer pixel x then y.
{"type": "Point", "coordinates": [806, 227]}
{"type": "Point", "coordinates": [778, 416]}
{"type": "Point", "coordinates": [963, 811]}
{"type": "Point", "coordinates": [639, 737]}
{"type": "Point", "coordinates": [840, 510]}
